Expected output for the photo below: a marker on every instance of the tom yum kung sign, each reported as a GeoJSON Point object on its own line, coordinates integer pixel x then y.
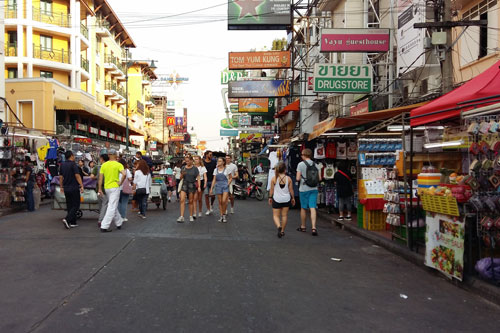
{"type": "Point", "coordinates": [259, 60]}
{"type": "Point", "coordinates": [343, 78]}
{"type": "Point", "coordinates": [355, 40]}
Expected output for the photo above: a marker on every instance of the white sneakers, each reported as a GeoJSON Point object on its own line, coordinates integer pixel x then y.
{"type": "Point", "coordinates": [200, 214]}
{"type": "Point", "coordinates": [191, 219]}
{"type": "Point", "coordinates": [232, 210]}
{"type": "Point", "coordinates": [180, 219]}
{"type": "Point", "coordinates": [208, 212]}
{"type": "Point", "coordinates": [125, 220]}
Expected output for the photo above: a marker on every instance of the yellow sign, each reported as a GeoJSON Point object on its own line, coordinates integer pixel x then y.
{"type": "Point", "coordinates": [246, 155]}
{"type": "Point", "coordinates": [250, 137]}
{"type": "Point", "coordinates": [203, 142]}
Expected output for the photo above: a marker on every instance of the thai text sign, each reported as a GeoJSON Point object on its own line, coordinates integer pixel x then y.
{"type": "Point", "coordinates": [354, 40]}
{"type": "Point", "coordinates": [342, 78]}
{"type": "Point", "coordinates": [361, 107]}
{"type": "Point", "coordinates": [259, 60]}
{"type": "Point", "coordinates": [270, 88]}
{"type": "Point", "coordinates": [444, 247]}
{"type": "Point", "coordinates": [253, 105]}
{"type": "Point", "coordinates": [250, 137]}
{"type": "Point", "coordinates": [259, 14]}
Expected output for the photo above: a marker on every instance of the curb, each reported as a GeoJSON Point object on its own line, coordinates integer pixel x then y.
{"type": "Point", "coordinates": [13, 210]}
{"type": "Point", "coordinates": [471, 284]}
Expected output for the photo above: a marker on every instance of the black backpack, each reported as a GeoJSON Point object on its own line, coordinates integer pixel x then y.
{"type": "Point", "coordinates": [312, 175]}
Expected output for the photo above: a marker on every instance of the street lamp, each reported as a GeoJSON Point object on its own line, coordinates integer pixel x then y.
{"type": "Point", "coordinates": [127, 65]}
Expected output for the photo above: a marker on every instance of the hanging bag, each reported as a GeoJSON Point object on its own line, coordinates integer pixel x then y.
{"type": "Point", "coordinates": [127, 187]}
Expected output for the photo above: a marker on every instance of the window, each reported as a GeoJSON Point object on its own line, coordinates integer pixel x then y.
{"type": "Point", "coordinates": [12, 4]}
{"type": "Point", "coordinates": [46, 7]}
{"type": "Point", "coordinates": [12, 73]}
{"type": "Point", "coordinates": [97, 72]}
{"type": "Point", "coordinates": [47, 75]}
{"type": "Point", "coordinates": [12, 35]}
{"type": "Point", "coordinates": [483, 37]}
{"type": "Point", "coordinates": [46, 43]}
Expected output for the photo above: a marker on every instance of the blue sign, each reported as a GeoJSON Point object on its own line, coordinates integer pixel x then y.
{"type": "Point", "coordinates": [227, 132]}
{"type": "Point", "coordinates": [267, 88]}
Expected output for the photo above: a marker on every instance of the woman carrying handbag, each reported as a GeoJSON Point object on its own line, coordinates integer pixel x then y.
{"type": "Point", "coordinates": [125, 191]}
{"type": "Point", "coordinates": [142, 184]}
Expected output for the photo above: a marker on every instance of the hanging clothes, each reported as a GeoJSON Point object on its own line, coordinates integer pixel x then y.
{"type": "Point", "coordinates": [52, 152]}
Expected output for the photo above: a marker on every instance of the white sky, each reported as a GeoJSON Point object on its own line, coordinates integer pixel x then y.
{"type": "Point", "coordinates": [193, 48]}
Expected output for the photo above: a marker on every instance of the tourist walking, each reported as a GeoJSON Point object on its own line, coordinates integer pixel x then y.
{"type": "Point", "coordinates": [220, 186]}
{"type": "Point", "coordinates": [343, 183]}
{"type": "Point", "coordinates": [170, 180]}
{"type": "Point", "coordinates": [281, 197]}
{"type": "Point", "coordinates": [30, 185]}
{"type": "Point", "coordinates": [109, 175]}
{"type": "Point", "coordinates": [71, 185]}
{"type": "Point", "coordinates": [177, 174]}
{"type": "Point", "coordinates": [142, 186]}
{"type": "Point", "coordinates": [233, 169]}
{"type": "Point", "coordinates": [190, 178]}
{"type": "Point", "coordinates": [309, 178]}
{"type": "Point", "coordinates": [198, 197]}
{"type": "Point", "coordinates": [125, 190]}
{"type": "Point", "coordinates": [210, 164]}
{"type": "Point", "coordinates": [103, 198]}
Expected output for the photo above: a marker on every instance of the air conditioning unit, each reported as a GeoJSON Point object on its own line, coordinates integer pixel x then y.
{"type": "Point", "coordinates": [64, 130]}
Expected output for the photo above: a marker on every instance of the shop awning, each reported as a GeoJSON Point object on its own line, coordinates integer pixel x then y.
{"type": "Point", "coordinates": [475, 92]}
{"type": "Point", "coordinates": [346, 122]}
{"type": "Point", "coordinates": [295, 106]}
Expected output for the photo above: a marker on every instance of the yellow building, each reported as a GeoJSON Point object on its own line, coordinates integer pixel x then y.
{"type": "Point", "coordinates": [65, 68]}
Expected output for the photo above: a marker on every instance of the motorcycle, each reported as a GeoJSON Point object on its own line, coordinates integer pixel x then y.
{"type": "Point", "coordinates": [254, 190]}
{"type": "Point", "coordinates": [240, 190]}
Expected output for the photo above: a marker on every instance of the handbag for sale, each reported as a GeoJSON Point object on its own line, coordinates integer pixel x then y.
{"type": "Point", "coordinates": [141, 191]}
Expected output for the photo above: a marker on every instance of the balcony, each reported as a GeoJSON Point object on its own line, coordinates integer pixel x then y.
{"type": "Point", "coordinates": [114, 63]}
{"type": "Point", "coordinates": [62, 56]}
{"type": "Point", "coordinates": [102, 27]}
{"type": "Point", "coordinates": [84, 63]}
{"type": "Point", "coordinates": [11, 11]}
{"type": "Point", "coordinates": [114, 91]}
{"type": "Point", "coordinates": [10, 49]}
{"type": "Point", "coordinates": [84, 30]}
{"type": "Point", "coordinates": [60, 19]}
{"type": "Point", "coordinates": [145, 80]}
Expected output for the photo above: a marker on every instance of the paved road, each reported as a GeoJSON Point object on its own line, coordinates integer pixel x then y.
{"type": "Point", "coordinates": [159, 276]}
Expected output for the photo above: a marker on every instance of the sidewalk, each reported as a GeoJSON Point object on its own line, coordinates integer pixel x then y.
{"type": "Point", "coordinates": [13, 210]}
{"type": "Point", "coordinates": [471, 284]}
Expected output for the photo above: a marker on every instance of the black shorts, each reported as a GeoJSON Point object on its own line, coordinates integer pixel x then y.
{"type": "Point", "coordinates": [278, 205]}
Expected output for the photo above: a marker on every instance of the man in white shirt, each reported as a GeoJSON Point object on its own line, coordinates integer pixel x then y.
{"type": "Point", "coordinates": [234, 173]}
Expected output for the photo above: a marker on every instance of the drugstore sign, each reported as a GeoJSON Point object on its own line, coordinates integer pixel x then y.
{"type": "Point", "coordinates": [343, 78]}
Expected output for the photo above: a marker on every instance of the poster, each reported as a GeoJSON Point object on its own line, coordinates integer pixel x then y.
{"type": "Point", "coordinates": [250, 137]}
{"type": "Point", "coordinates": [410, 40]}
{"type": "Point", "coordinates": [253, 105]}
{"type": "Point", "coordinates": [444, 247]}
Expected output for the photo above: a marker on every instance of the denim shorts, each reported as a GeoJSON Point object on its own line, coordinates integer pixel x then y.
{"type": "Point", "coordinates": [309, 199]}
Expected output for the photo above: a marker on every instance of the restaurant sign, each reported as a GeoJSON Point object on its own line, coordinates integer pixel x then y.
{"type": "Point", "coordinates": [343, 78]}
{"type": "Point", "coordinates": [270, 88]}
{"type": "Point", "coordinates": [83, 140]}
{"type": "Point", "coordinates": [354, 40]}
{"type": "Point", "coordinates": [259, 60]}
{"type": "Point", "coordinates": [361, 107]}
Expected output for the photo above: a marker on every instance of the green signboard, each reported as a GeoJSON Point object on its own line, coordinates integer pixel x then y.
{"type": "Point", "coordinates": [259, 14]}
{"type": "Point", "coordinates": [343, 78]}
{"type": "Point", "coordinates": [227, 76]}
{"type": "Point", "coordinates": [233, 108]}
{"type": "Point", "coordinates": [225, 124]}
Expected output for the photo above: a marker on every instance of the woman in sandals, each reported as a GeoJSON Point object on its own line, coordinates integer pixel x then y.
{"type": "Point", "coordinates": [190, 177]}
{"type": "Point", "coordinates": [281, 197]}
{"type": "Point", "coordinates": [222, 179]}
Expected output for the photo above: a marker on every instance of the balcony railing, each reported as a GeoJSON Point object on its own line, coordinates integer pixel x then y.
{"type": "Point", "coordinates": [102, 23]}
{"type": "Point", "coordinates": [110, 85]}
{"type": "Point", "coordinates": [62, 55]}
{"type": "Point", "coordinates": [111, 59]}
{"type": "Point", "coordinates": [11, 11]}
{"type": "Point", "coordinates": [10, 49]}
{"type": "Point", "coordinates": [84, 30]}
{"type": "Point", "coordinates": [61, 19]}
{"type": "Point", "coordinates": [84, 63]}
{"type": "Point", "coordinates": [121, 92]}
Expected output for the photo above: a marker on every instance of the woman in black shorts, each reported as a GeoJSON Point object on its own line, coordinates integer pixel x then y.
{"type": "Point", "coordinates": [281, 197]}
{"type": "Point", "coordinates": [190, 177]}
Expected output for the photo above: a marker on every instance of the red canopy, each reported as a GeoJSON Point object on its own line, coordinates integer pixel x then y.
{"type": "Point", "coordinates": [486, 84]}
{"type": "Point", "coordinates": [295, 106]}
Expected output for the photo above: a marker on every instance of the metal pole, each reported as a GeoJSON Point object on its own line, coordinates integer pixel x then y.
{"type": "Point", "coordinates": [126, 98]}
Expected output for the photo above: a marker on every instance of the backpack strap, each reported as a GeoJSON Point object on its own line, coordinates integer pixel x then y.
{"type": "Point", "coordinates": [345, 175]}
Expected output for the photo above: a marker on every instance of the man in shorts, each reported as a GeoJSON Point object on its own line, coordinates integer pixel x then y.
{"type": "Point", "coordinates": [233, 170]}
{"type": "Point", "coordinates": [308, 195]}
{"type": "Point", "coordinates": [210, 165]}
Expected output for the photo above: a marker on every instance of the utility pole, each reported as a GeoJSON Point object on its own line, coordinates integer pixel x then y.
{"type": "Point", "coordinates": [447, 66]}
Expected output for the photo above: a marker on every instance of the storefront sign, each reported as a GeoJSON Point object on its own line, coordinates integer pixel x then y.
{"type": "Point", "coordinates": [253, 105]}
{"type": "Point", "coordinates": [245, 120]}
{"type": "Point", "coordinates": [257, 120]}
{"type": "Point", "coordinates": [233, 108]}
{"type": "Point", "coordinates": [361, 108]}
{"type": "Point", "coordinates": [170, 121]}
{"type": "Point", "coordinates": [81, 127]}
{"type": "Point", "coordinates": [227, 76]}
{"type": "Point", "coordinates": [310, 82]}
{"type": "Point", "coordinates": [124, 139]}
{"type": "Point", "coordinates": [118, 138]}
{"type": "Point", "coordinates": [259, 15]}
{"type": "Point", "coordinates": [410, 40]}
{"type": "Point", "coordinates": [103, 133]}
{"type": "Point", "coordinates": [246, 155]}
{"type": "Point", "coordinates": [177, 137]}
{"type": "Point", "coordinates": [354, 40]}
{"type": "Point", "coordinates": [224, 123]}
{"type": "Point", "coordinates": [83, 140]}
{"type": "Point", "coordinates": [250, 137]}
{"type": "Point", "coordinates": [342, 78]}
{"type": "Point", "coordinates": [228, 132]}
{"type": "Point", "coordinates": [444, 248]}
{"type": "Point", "coordinates": [259, 60]}
{"type": "Point", "coordinates": [152, 145]}
{"type": "Point", "coordinates": [269, 88]}
{"type": "Point", "coordinates": [94, 130]}
{"type": "Point", "coordinates": [111, 136]}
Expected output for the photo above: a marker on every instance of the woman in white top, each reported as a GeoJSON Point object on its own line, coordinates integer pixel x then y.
{"type": "Point", "coordinates": [142, 184]}
{"type": "Point", "coordinates": [281, 197]}
{"type": "Point", "coordinates": [198, 196]}
{"type": "Point", "coordinates": [125, 191]}
{"type": "Point", "coordinates": [177, 174]}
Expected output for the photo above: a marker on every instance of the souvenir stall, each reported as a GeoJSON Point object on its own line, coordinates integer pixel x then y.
{"type": "Point", "coordinates": [462, 208]}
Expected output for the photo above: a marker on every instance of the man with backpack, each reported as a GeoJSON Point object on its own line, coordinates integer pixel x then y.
{"type": "Point", "coordinates": [308, 177]}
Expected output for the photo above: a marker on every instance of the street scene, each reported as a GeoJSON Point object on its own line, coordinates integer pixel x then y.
{"type": "Point", "coordinates": [250, 166]}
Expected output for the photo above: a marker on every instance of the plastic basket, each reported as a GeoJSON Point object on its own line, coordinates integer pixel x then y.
{"type": "Point", "coordinates": [374, 220]}
{"type": "Point", "coordinates": [440, 204]}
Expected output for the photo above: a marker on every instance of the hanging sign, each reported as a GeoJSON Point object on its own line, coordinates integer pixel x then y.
{"type": "Point", "coordinates": [354, 40]}
{"type": "Point", "coordinates": [93, 130]}
{"type": "Point", "coordinates": [226, 76]}
{"type": "Point", "coordinates": [111, 136]}
{"type": "Point", "coordinates": [83, 140]}
{"type": "Point", "coordinates": [342, 78]}
{"type": "Point", "coordinates": [228, 132]}
{"type": "Point", "coordinates": [253, 105]}
{"type": "Point", "coordinates": [170, 121]}
{"type": "Point", "coordinates": [361, 108]}
{"type": "Point", "coordinates": [259, 15]}
{"type": "Point", "coordinates": [257, 120]}
{"type": "Point", "coordinates": [250, 137]}
{"type": "Point", "coordinates": [259, 60]}
{"type": "Point", "coordinates": [103, 133]}
{"type": "Point", "coordinates": [118, 138]}
{"type": "Point", "coordinates": [245, 120]}
{"type": "Point", "coordinates": [81, 127]}
{"type": "Point", "coordinates": [269, 88]}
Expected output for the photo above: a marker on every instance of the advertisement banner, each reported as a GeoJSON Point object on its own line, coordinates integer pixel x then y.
{"type": "Point", "coordinates": [343, 78]}
{"type": "Point", "coordinates": [177, 137]}
{"type": "Point", "coordinates": [250, 137]}
{"type": "Point", "coordinates": [259, 60]}
{"type": "Point", "coordinates": [257, 120]}
{"type": "Point", "coordinates": [354, 40]}
{"type": "Point", "coordinates": [444, 247]}
{"type": "Point", "coordinates": [245, 120]}
{"type": "Point", "coordinates": [361, 108]}
{"type": "Point", "coordinates": [225, 124]}
{"type": "Point", "coordinates": [228, 132]}
{"type": "Point", "coordinates": [270, 88]}
{"type": "Point", "coordinates": [227, 76]}
{"type": "Point", "coordinates": [410, 40]}
{"type": "Point", "coordinates": [259, 15]}
{"type": "Point", "coordinates": [253, 105]}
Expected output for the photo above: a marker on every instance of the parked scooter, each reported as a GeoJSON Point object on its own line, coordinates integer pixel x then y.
{"type": "Point", "coordinates": [240, 190]}
{"type": "Point", "coordinates": [254, 189]}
